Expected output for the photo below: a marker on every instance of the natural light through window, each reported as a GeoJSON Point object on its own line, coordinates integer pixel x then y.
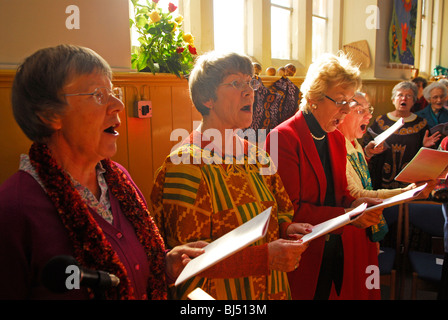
{"type": "Point", "coordinates": [320, 27]}
{"type": "Point", "coordinates": [162, 4]}
{"type": "Point", "coordinates": [281, 12]}
{"type": "Point", "coordinates": [229, 25]}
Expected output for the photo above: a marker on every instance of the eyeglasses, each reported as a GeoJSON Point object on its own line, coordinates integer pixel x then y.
{"type": "Point", "coordinates": [407, 96]}
{"type": "Point", "coordinates": [101, 95]}
{"type": "Point", "coordinates": [363, 111]}
{"type": "Point", "coordinates": [351, 103]}
{"type": "Point", "coordinates": [242, 85]}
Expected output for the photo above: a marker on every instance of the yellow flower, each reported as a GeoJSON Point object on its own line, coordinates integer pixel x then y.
{"type": "Point", "coordinates": [174, 23]}
{"type": "Point", "coordinates": [188, 37]}
{"type": "Point", "coordinates": [179, 19]}
{"type": "Point", "coordinates": [155, 16]}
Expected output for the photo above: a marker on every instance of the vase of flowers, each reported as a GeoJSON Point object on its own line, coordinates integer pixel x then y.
{"type": "Point", "coordinates": [164, 47]}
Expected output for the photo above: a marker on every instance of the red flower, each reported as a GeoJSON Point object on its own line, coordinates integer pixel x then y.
{"type": "Point", "coordinates": [171, 7]}
{"type": "Point", "coordinates": [192, 50]}
{"type": "Point", "coordinates": [155, 1]}
{"type": "Point", "coordinates": [180, 50]}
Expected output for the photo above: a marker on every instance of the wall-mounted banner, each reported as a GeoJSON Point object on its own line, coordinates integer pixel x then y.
{"type": "Point", "coordinates": [402, 32]}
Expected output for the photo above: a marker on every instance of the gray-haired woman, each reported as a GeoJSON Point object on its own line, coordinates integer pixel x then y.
{"type": "Point", "coordinates": [435, 113]}
{"type": "Point", "coordinates": [404, 143]}
{"type": "Point", "coordinates": [69, 201]}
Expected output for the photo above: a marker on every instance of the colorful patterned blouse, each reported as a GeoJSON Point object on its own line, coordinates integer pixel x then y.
{"type": "Point", "coordinates": [402, 147]}
{"type": "Point", "coordinates": [207, 196]}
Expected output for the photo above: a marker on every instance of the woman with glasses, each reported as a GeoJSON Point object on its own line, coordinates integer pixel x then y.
{"type": "Point", "coordinates": [362, 243]}
{"type": "Point", "coordinates": [435, 113]}
{"type": "Point", "coordinates": [215, 181]}
{"type": "Point", "coordinates": [401, 146]}
{"type": "Point", "coordinates": [69, 205]}
{"type": "Point", "coordinates": [311, 162]}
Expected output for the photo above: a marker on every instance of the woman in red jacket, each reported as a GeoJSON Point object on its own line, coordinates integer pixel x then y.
{"type": "Point", "coordinates": [311, 160]}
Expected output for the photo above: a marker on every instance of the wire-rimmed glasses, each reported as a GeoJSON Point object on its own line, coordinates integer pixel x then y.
{"type": "Point", "coordinates": [242, 85]}
{"type": "Point", "coordinates": [101, 95]}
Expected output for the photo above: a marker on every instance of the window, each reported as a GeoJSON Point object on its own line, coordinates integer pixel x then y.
{"type": "Point", "coordinates": [281, 27]}
{"type": "Point", "coordinates": [229, 25]}
{"type": "Point", "coordinates": [320, 28]}
{"type": "Point", "coordinates": [430, 35]}
{"type": "Point", "coordinates": [162, 4]}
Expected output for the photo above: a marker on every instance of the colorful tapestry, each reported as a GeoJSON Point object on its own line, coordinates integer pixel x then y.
{"type": "Point", "coordinates": [402, 32]}
{"type": "Point", "coordinates": [274, 105]}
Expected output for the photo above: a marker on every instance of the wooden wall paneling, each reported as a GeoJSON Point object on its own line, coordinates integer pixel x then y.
{"type": "Point", "coordinates": [139, 141]}
{"type": "Point", "coordinates": [162, 123]}
{"type": "Point", "coordinates": [13, 141]}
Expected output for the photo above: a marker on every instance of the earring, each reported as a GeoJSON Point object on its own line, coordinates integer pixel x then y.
{"type": "Point", "coordinates": [314, 106]}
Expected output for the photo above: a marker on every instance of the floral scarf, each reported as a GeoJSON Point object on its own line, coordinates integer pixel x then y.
{"type": "Point", "coordinates": [91, 248]}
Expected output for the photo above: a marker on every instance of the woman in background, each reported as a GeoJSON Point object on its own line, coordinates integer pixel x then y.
{"type": "Point", "coordinates": [311, 162]}
{"type": "Point", "coordinates": [401, 146]}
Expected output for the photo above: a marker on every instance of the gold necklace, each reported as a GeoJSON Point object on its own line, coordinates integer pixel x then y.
{"type": "Point", "coordinates": [316, 138]}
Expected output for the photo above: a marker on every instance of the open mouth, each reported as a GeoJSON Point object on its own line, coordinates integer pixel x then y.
{"type": "Point", "coordinates": [111, 130]}
{"type": "Point", "coordinates": [247, 108]}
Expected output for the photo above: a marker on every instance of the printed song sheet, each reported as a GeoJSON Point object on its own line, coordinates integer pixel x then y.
{"type": "Point", "coordinates": [227, 245]}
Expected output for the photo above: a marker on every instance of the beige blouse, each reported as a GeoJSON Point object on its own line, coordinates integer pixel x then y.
{"type": "Point", "coordinates": [354, 181]}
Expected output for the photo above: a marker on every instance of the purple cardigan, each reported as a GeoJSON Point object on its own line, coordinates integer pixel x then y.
{"type": "Point", "coordinates": [31, 233]}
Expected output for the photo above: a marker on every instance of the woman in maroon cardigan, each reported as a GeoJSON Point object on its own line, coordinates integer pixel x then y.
{"type": "Point", "coordinates": [311, 160]}
{"type": "Point", "coordinates": [68, 198]}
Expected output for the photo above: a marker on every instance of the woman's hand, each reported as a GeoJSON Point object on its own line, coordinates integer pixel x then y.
{"type": "Point", "coordinates": [424, 194]}
{"type": "Point", "coordinates": [284, 255]}
{"type": "Point", "coordinates": [369, 218]}
{"type": "Point", "coordinates": [177, 258]}
{"type": "Point", "coordinates": [370, 149]}
{"type": "Point", "coordinates": [429, 141]}
{"type": "Point", "coordinates": [296, 231]}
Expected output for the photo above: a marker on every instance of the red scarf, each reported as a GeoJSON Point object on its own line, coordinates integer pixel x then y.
{"type": "Point", "coordinates": [90, 246]}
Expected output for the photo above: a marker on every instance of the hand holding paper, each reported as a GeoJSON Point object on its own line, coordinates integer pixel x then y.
{"type": "Point", "coordinates": [386, 134]}
{"type": "Point", "coordinates": [344, 219]}
{"type": "Point", "coordinates": [335, 223]}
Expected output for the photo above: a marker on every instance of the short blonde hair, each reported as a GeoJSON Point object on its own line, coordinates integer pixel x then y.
{"type": "Point", "coordinates": [327, 71]}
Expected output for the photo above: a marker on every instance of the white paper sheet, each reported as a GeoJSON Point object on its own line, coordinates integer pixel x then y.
{"type": "Point", "coordinates": [386, 134]}
{"type": "Point", "coordinates": [335, 223]}
{"type": "Point", "coordinates": [338, 222]}
{"type": "Point", "coordinates": [227, 245]}
{"type": "Point", "coordinates": [399, 198]}
{"type": "Point", "coordinates": [199, 294]}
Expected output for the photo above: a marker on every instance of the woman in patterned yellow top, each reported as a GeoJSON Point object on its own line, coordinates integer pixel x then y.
{"type": "Point", "coordinates": [203, 193]}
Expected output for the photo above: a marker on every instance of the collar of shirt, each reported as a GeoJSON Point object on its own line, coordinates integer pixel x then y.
{"type": "Point", "coordinates": [101, 206]}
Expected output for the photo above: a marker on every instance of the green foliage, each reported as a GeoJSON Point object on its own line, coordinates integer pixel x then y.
{"type": "Point", "coordinates": [163, 45]}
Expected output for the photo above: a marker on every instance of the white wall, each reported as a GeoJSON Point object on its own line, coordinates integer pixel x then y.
{"type": "Point", "coordinates": [28, 25]}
